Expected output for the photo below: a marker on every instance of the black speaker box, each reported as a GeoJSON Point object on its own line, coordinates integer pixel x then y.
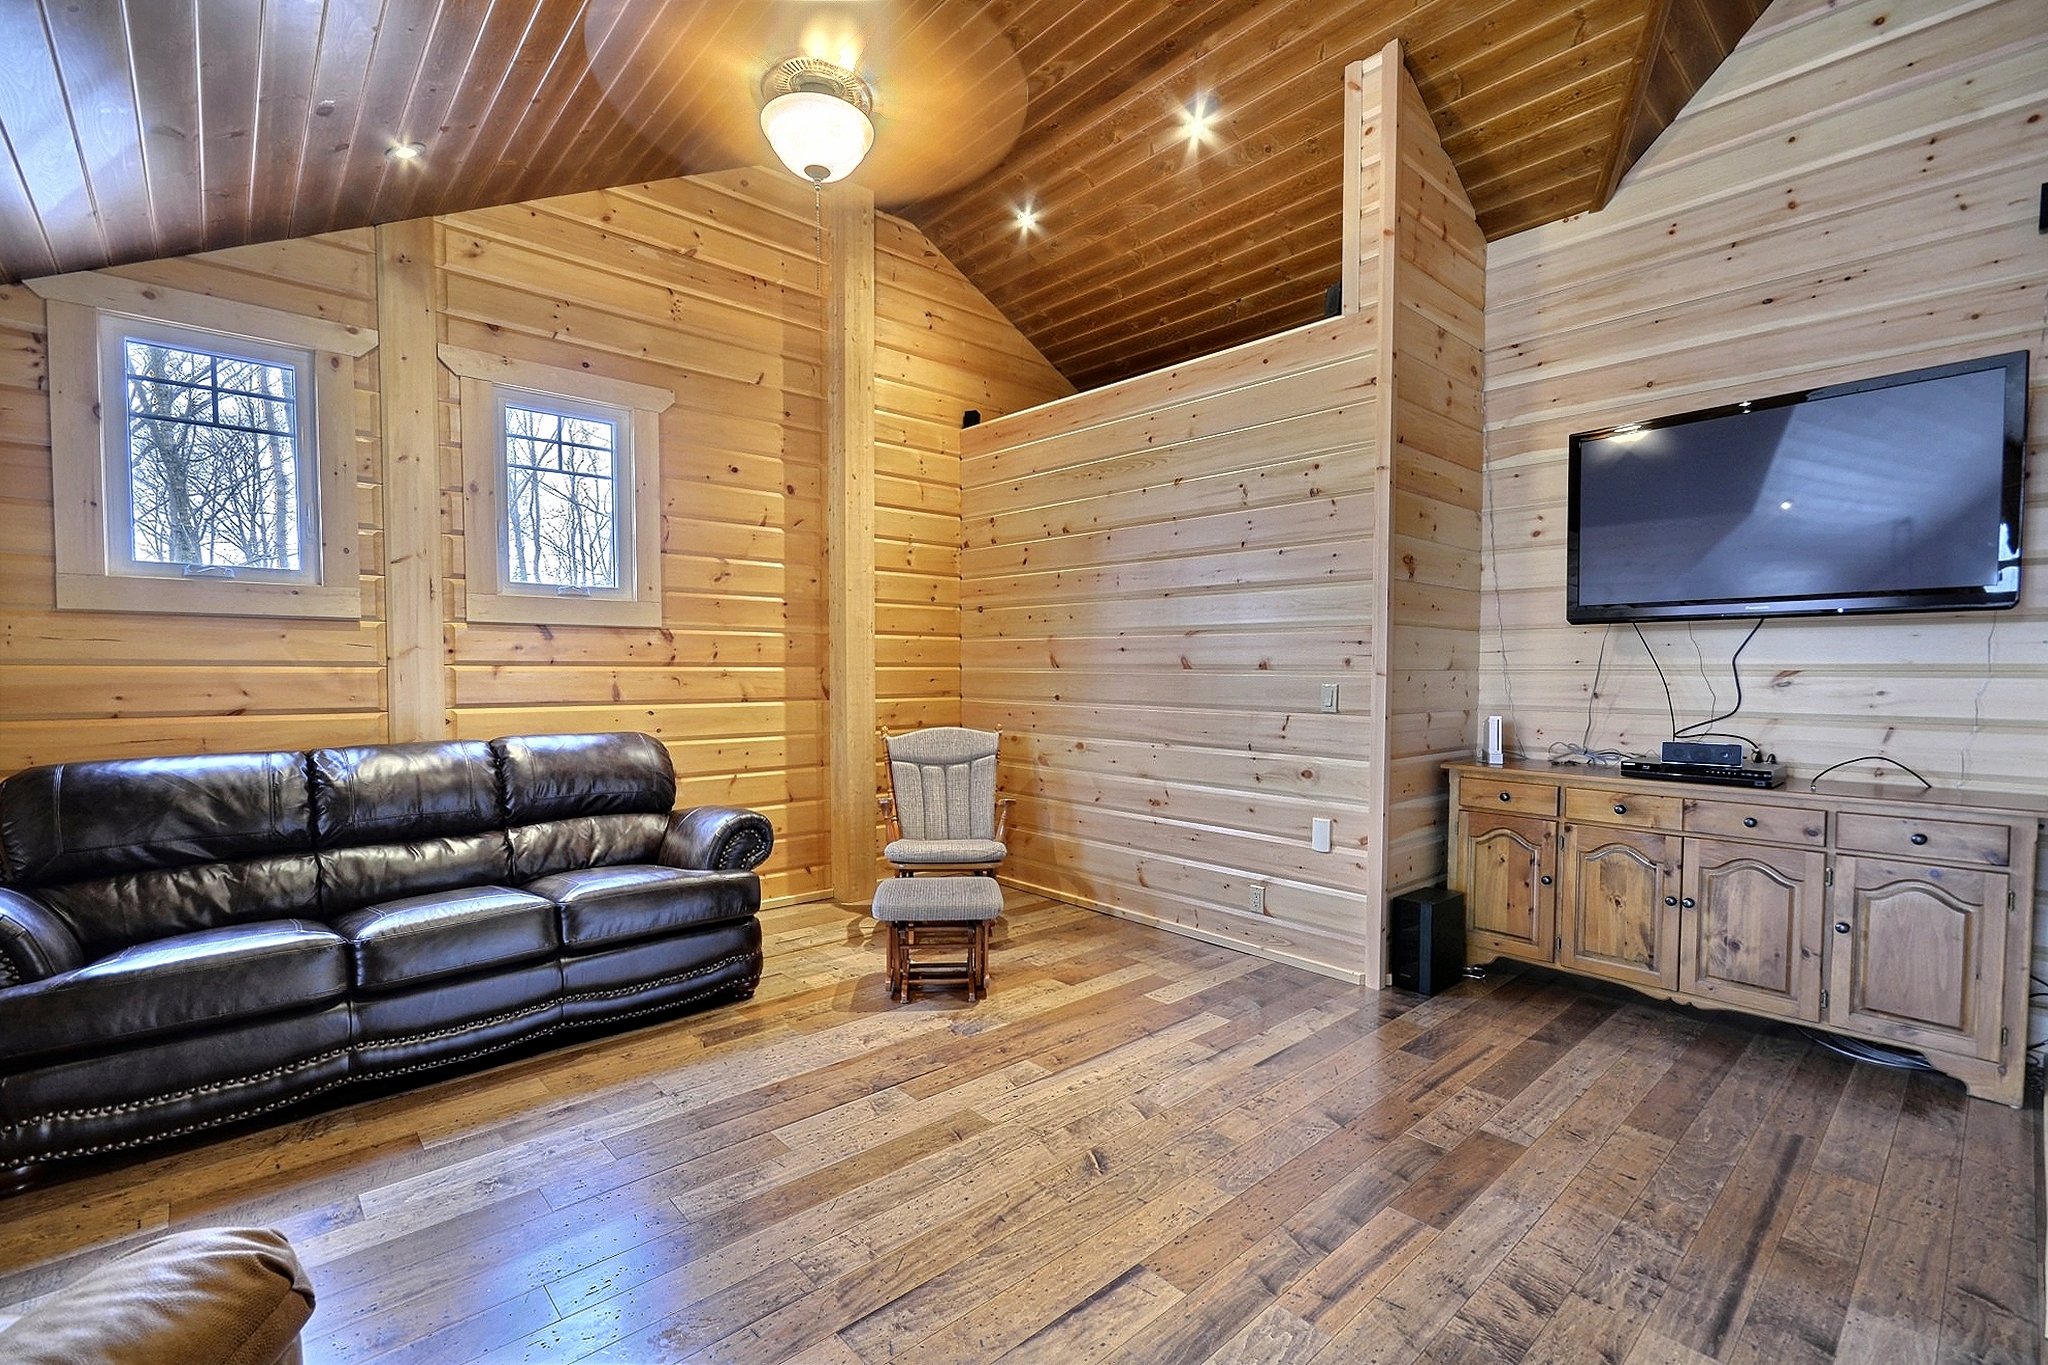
{"type": "Point", "coordinates": [1427, 940]}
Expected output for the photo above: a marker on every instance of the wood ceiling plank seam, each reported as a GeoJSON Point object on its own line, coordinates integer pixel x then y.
{"type": "Point", "coordinates": [392, 77]}
{"type": "Point", "coordinates": [1285, 298]}
{"type": "Point", "coordinates": [604, 136]}
{"type": "Point", "coordinates": [1557, 33]}
{"type": "Point", "coordinates": [1204, 245]}
{"type": "Point", "coordinates": [25, 249]}
{"type": "Point", "coordinates": [1528, 171]}
{"type": "Point", "coordinates": [1555, 70]}
{"type": "Point", "coordinates": [500, 130]}
{"type": "Point", "coordinates": [347, 34]}
{"type": "Point", "coordinates": [1524, 211]}
{"type": "Point", "coordinates": [89, 45]}
{"type": "Point", "coordinates": [1526, 122]}
{"type": "Point", "coordinates": [1691, 43]}
{"type": "Point", "coordinates": [446, 59]}
{"type": "Point", "coordinates": [288, 57]}
{"type": "Point", "coordinates": [568, 95]}
{"type": "Point", "coordinates": [1107, 131]}
{"type": "Point", "coordinates": [671, 129]}
{"type": "Point", "coordinates": [33, 107]}
{"type": "Point", "coordinates": [489, 66]}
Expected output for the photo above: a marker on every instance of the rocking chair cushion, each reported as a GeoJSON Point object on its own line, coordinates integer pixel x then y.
{"type": "Point", "coordinates": [947, 851]}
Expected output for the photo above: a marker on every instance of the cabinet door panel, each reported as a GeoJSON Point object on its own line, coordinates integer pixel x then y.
{"type": "Point", "coordinates": [1615, 920]}
{"type": "Point", "coordinates": [1917, 953]}
{"type": "Point", "coordinates": [1506, 871]}
{"type": "Point", "coordinates": [1750, 926]}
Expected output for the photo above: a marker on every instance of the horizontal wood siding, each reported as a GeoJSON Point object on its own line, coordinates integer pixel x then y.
{"type": "Point", "coordinates": [1437, 274]}
{"type": "Point", "coordinates": [90, 684]}
{"type": "Point", "coordinates": [1855, 192]}
{"type": "Point", "coordinates": [707, 287]}
{"type": "Point", "coordinates": [1158, 577]}
{"type": "Point", "coordinates": [941, 350]}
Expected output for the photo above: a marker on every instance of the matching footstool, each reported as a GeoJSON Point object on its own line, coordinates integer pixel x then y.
{"type": "Point", "coordinates": [920, 912]}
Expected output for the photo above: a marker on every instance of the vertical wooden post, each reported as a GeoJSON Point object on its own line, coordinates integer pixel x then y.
{"type": "Point", "coordinates": [850, 538]}
{"type": "Point", "coordinates": [416, 677]}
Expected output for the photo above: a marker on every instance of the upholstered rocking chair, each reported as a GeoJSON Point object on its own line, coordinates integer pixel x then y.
{"type": "Point", "coordinates": [942, 811]}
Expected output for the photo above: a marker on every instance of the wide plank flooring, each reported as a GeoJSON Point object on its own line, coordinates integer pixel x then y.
{"type": "Point", "coordinates": [1139, 1148]}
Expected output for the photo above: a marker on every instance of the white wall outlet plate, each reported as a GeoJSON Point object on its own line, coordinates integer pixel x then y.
{"type": "Point", "coordinates": [1258, 899]}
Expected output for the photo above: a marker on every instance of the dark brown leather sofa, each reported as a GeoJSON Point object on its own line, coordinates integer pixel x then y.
{"type": "Point", "coordinates": [189, 941]}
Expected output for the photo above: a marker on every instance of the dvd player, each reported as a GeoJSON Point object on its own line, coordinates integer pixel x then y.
{"type": "Point", "coordinates": [1719, 774]}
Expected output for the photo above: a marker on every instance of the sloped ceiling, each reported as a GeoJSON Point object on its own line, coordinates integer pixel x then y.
{"type": "Point", "coordinates": [136, 128]}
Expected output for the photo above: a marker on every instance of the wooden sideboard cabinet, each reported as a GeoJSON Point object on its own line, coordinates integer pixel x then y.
{"type": "Point", "coordinates": [1902, 919]}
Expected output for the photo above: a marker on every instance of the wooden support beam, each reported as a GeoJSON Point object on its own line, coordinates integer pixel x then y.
{"type": "Point", "coordinates": [409, 381]}
{"type": "Point", "coordinates": [850, 537]}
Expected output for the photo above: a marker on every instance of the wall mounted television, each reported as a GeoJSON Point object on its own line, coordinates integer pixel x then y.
{"type": "Point", "coordinates": [1895, 494]}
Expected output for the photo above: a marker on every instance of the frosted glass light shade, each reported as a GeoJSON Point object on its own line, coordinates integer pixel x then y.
{"type": "Point", "coordinates": [820, 137]}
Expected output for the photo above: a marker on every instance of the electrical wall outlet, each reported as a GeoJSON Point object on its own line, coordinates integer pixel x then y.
{"type": "Point", "coordinates": [1319, 834]}
{"type": "Point", "coordinates": [1330, 697]}
{"type": "Point", "coordinates": [1258, 904]}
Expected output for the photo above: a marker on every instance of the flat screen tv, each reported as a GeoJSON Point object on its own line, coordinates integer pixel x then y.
{"type": "Point", "coordinates": [1900, 493]}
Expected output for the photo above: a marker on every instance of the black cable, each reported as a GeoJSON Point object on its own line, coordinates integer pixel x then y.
{"type": "Point", "coordinates": [1735, 667]}
{"type": "Point", "coordinates": [1669, 709]}
{"type": "Point", "coordinates": [1874, 1053]}
{"type": "Point", "coordinates": [1593, 692]}
{"type": "Point", "coordinates": [1813, 785]}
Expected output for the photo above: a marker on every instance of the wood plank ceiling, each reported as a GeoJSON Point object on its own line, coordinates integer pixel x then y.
{"type": "Point", "coordinates": [136, 129]}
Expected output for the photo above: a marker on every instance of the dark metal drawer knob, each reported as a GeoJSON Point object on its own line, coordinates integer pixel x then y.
{"type": "Point", "coordinates": [1917, 839]}
{"type": "Point", "coordinates": [1546, 881]}
{"type": "Point", "coordinates": [1749, 822]}
{"type": "Point", "coordinates": [1620, 809]}
{"type": "Point", "coordinates": [1841, 926]}
{"type": "Point", "coordinates": [1507, 796]}
{"type": "Point", "coordinates": [1688, 902]}
{"type": "Point", "coordinates": [1671, 900]}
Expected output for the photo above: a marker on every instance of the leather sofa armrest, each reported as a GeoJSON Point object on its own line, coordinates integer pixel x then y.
{"type": "Point", "coordinates": [210, 1296]}
{"type": "Point", "coordinates": [717, 838]}
{"type": "Point", "coordinates": [34, 943]}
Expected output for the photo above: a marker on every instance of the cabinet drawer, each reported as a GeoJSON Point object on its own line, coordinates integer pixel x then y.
{"type": "Point", "coordinates": [1592, 805]}
{"type": "Point", "coordinates": [1740, 820]}
{"type": "Point", "coordinates": [1941, 841]}
{"type": "Point", "coordinates": [1524, 798]}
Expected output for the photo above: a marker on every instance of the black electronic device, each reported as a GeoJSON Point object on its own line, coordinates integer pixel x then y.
{"type": "Point", "coordinates": [1691, 751]}
{"type": "Point", "coordinates": [1715, 774]}
{"type": "Point", "coordinates": [1900, 493]}
{"type": "Point", "coordinates": [1426, 939]}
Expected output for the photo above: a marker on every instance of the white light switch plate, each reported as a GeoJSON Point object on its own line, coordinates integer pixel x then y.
{"type": "Point", "coordinates": [1319, 833]}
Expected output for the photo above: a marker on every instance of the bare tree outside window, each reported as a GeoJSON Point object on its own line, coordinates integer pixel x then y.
{"type": "Point", "coordinates": [213, 459]}
{"type": "Point", "coordinates": [561, 484]}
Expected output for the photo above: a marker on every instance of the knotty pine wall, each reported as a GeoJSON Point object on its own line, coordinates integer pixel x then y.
{"type": "Point", "coordinates": [941, 349]}
{"type": "Point", "coordinates": [105, 684]}
{"type": "Point", "coordinates": [1854, 193]}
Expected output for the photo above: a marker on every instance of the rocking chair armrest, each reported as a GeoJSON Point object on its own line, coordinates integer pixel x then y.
{"type": "Point", "coordinates": [1003, 804]}
{"type": "Point", "coordinates": [892, 828]}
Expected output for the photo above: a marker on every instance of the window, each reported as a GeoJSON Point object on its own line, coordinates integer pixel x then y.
{"type": "Point", "coordinates": [206, 472]}
{"type": "Point", "coordinates": [202, 453]}
{"type": "Point", "coordinates": [557, 491]}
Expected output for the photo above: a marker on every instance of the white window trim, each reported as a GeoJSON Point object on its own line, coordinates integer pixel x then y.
{"type": "Point", "coordinates": [77, 306]}
{"type": "Point", "coordinates": [486, 589]}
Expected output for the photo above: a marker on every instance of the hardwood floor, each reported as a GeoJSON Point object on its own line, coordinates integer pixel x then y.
{"type": "Point", "coordinates": [1138, 1148]}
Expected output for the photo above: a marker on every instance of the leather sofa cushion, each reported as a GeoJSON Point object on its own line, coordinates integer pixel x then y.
{"type": "Point", "coordinates": [69, 821]}
{"type": "Point", "coordinates": [351, 878]}
{"type": "Point", "coordinates": [549, 777]}
{"type": "Point", "coordinates": [419, 938]}
{"type": "Point", "coordinates": [211, 1296]}
{"type": "Point", "coordinates": [180, 982]}
{"type": "Point", "coordinates": [394, 792]}
{"type": "Point", "coordinates": [113, 912]}
{"type": "Point", "coordinates": [615, 904]}
{"type": "Point", "coordinates": [584, 841]}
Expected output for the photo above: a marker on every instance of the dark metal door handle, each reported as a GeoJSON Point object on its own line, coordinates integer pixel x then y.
{"type": "Point", "coordinates": [1671, 900]}
{"type": "Point", "coordinates": [1688, 902]}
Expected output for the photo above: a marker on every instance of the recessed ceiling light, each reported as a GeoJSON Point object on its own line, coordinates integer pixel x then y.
{"type": "Point", "coordinates": [406, 151]}
{"type": "Point", "coordinates": [1027, 219]}
{"type": "Point", "coordinates": [1198, 119]}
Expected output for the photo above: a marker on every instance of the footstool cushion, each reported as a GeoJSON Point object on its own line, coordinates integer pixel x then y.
{"type": "Point", "coordinates": [912, 899]}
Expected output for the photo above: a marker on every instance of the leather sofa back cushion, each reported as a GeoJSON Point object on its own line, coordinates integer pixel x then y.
{"type": "Point", "coordinates": [72, 821]}
{"type": "Point", "coordinates": [391, 792]}
{"type": "Point", "coordinates": [584, 841]}
{"type": "Point", "coordinates": [114, 912]}
{"type": "Point", "coordinates": [548, 777]}
{"type": "Point", "coordinates": [351, 878]}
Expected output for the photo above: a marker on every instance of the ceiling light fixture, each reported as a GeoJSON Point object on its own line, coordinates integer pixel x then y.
{"type": "Point", "coordinates": [406, 151]}
{"type": "Point", "coordinates": [816, 118]}
{"type": "Point", "coordinates": [1198, 118]}
{"type": "Point", "coordinates": [1027, 219]}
